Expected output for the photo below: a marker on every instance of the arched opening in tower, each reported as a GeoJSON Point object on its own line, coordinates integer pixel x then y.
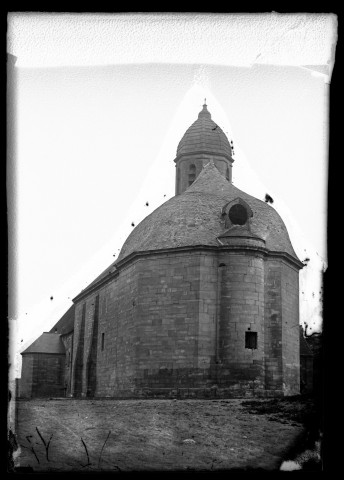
{"type": "Point", "coordinates": [192, 173]}
{"type": "Point", "coordinates": [178, 180]}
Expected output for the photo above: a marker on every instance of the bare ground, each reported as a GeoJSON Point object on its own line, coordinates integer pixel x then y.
{"type": "Point", "coordinates": [138, 435]}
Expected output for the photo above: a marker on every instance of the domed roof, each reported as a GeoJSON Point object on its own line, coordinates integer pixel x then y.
{"type": "Point", "coordinates": [195, 218]}
{"type": "Point", "coordinates": [204, 136]}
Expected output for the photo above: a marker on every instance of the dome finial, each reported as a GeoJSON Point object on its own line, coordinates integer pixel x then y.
{"type": "Point", "coordinates": [204, 110]}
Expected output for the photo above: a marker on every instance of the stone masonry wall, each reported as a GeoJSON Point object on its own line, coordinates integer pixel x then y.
{"type": "Point", "coordinates": [92, 352]}
{"type": "Point", "coordinates": [208, 310]}
{"type": "Point", "coordinates": [26, 375]}
{"type": "Point", "coordinates": [48, 375]}
{"type": "Point", "coordinates": [116, 363]}
{"type": "Point", "coordinates": [87, 349]}
{"type": "Point", "coordinates": [78, 349]}
{"type": "Point", "coordinates": [67, 340]}
{"type": "Point", "coordinates": [290, 330]}
{"type": "Point", "coordinates": [273, 327]}
{"type": "Point", "coordinates": [166, 350]}
{"type": "Point", "coordinates": [176, 322]}
{"type": "Point", "coordinates": [241, 311]}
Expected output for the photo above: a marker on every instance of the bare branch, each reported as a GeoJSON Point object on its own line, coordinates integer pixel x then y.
{"type": "Point", "coordinates": [46, 445]}
{"type": "Point", "coordinates": [103, 448]}
{"type": "Point", "coordinates": [32, 449]}
{"type": "Point", "coordinates": [88, 458]}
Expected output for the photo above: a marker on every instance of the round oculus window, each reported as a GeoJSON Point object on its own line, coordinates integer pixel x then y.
{"type": "Point", "coordinates": [238, 214]}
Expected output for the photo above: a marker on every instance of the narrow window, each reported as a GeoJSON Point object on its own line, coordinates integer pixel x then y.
{"type": "Point", "coordinates": [227, 173]}
{"type": "Point", "coordinates": [192, 173]}
{"type": "Point", "coordinates": [178, 179]}
{"type": "Point", "coordinates": [251, 340]}
{"type": "Point", "coordinates": [68, 359]}
{"type": "Point", "coordinates": [103, 338]}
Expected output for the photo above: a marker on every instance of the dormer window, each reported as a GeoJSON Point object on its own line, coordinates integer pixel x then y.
{"type": "Point", "coordinates": [238, 214]}
{"type": "Point", "coordinates": [192, 173]}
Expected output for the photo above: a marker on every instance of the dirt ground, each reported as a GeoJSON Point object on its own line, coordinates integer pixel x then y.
{"type": "Point", "coordinates": [137, 435]}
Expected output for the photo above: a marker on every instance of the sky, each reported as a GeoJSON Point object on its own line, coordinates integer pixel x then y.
{"type": "Point", "coordinates": [101, 103]}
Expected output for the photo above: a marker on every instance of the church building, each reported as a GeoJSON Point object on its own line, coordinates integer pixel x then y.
{"type": "Point", "coordinates": [203, 299]}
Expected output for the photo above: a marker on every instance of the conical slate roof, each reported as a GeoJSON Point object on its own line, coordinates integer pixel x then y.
{"type": "Point", "coordinates": [195, 218]}
{"type": "Point", "coordinates": [204, 136]}
{"type": "Point", "coordinates": [46, 343]}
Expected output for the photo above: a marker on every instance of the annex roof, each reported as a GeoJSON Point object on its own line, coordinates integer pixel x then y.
{"type": "Point", "coordinates": [46, 343]}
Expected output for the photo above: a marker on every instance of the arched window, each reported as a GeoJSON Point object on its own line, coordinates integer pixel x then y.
{"type": "Point", "coordinates": [227, 173]}
{"type": "Point", "coordinates": [192, 173]}
{"type": "Point", "coordinates": [178, 180]}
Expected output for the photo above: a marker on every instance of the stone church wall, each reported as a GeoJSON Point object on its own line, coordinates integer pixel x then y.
{"type": "Point", "coordinates": [26, 376]}
{"type": "Point", "coordinates": [282, 360]}
{"type": "Point", "coordinates": [78, 349]}
{"type": "Point", "coordinates": [178, 322]}
{"type": "Point", "coordinates": [43, 375]}
{"type": "Point", "coordinates": [67, 340]}
{"type": "Point", "coordinates": [241, 368]}
{"type": "Point", "coordinates": [172, 318]}
{"type": "Point", "coordinates": [290, 330]}
{"type": "Point", "coordinates": [114, 363]}
{"type": "Point", "coordinates": [273, 326]}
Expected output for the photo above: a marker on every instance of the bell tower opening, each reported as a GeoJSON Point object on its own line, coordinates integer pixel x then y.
{"type": "Point", "coordinates": [178, 180]}
{"type": "Point", "coordinates": [192, 173]}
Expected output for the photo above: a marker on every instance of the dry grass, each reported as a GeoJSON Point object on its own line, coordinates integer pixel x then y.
{"type": "Point", "coordinates": [136, 435]}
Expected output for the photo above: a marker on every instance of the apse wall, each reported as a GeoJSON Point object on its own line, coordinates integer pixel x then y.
{"type": "Point", "coordinates": [191, 322]}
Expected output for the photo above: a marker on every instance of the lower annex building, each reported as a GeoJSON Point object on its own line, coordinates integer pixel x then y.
{"type": "Point", "coordinates": [203, 299]}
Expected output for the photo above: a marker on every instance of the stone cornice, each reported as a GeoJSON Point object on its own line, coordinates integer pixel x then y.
{"type": "Point", "coordinates": [203, 152]}
{"type": "Point", "coordinates": [199, 248]}
{"type": "Point", "coordinates": [43, 353]}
